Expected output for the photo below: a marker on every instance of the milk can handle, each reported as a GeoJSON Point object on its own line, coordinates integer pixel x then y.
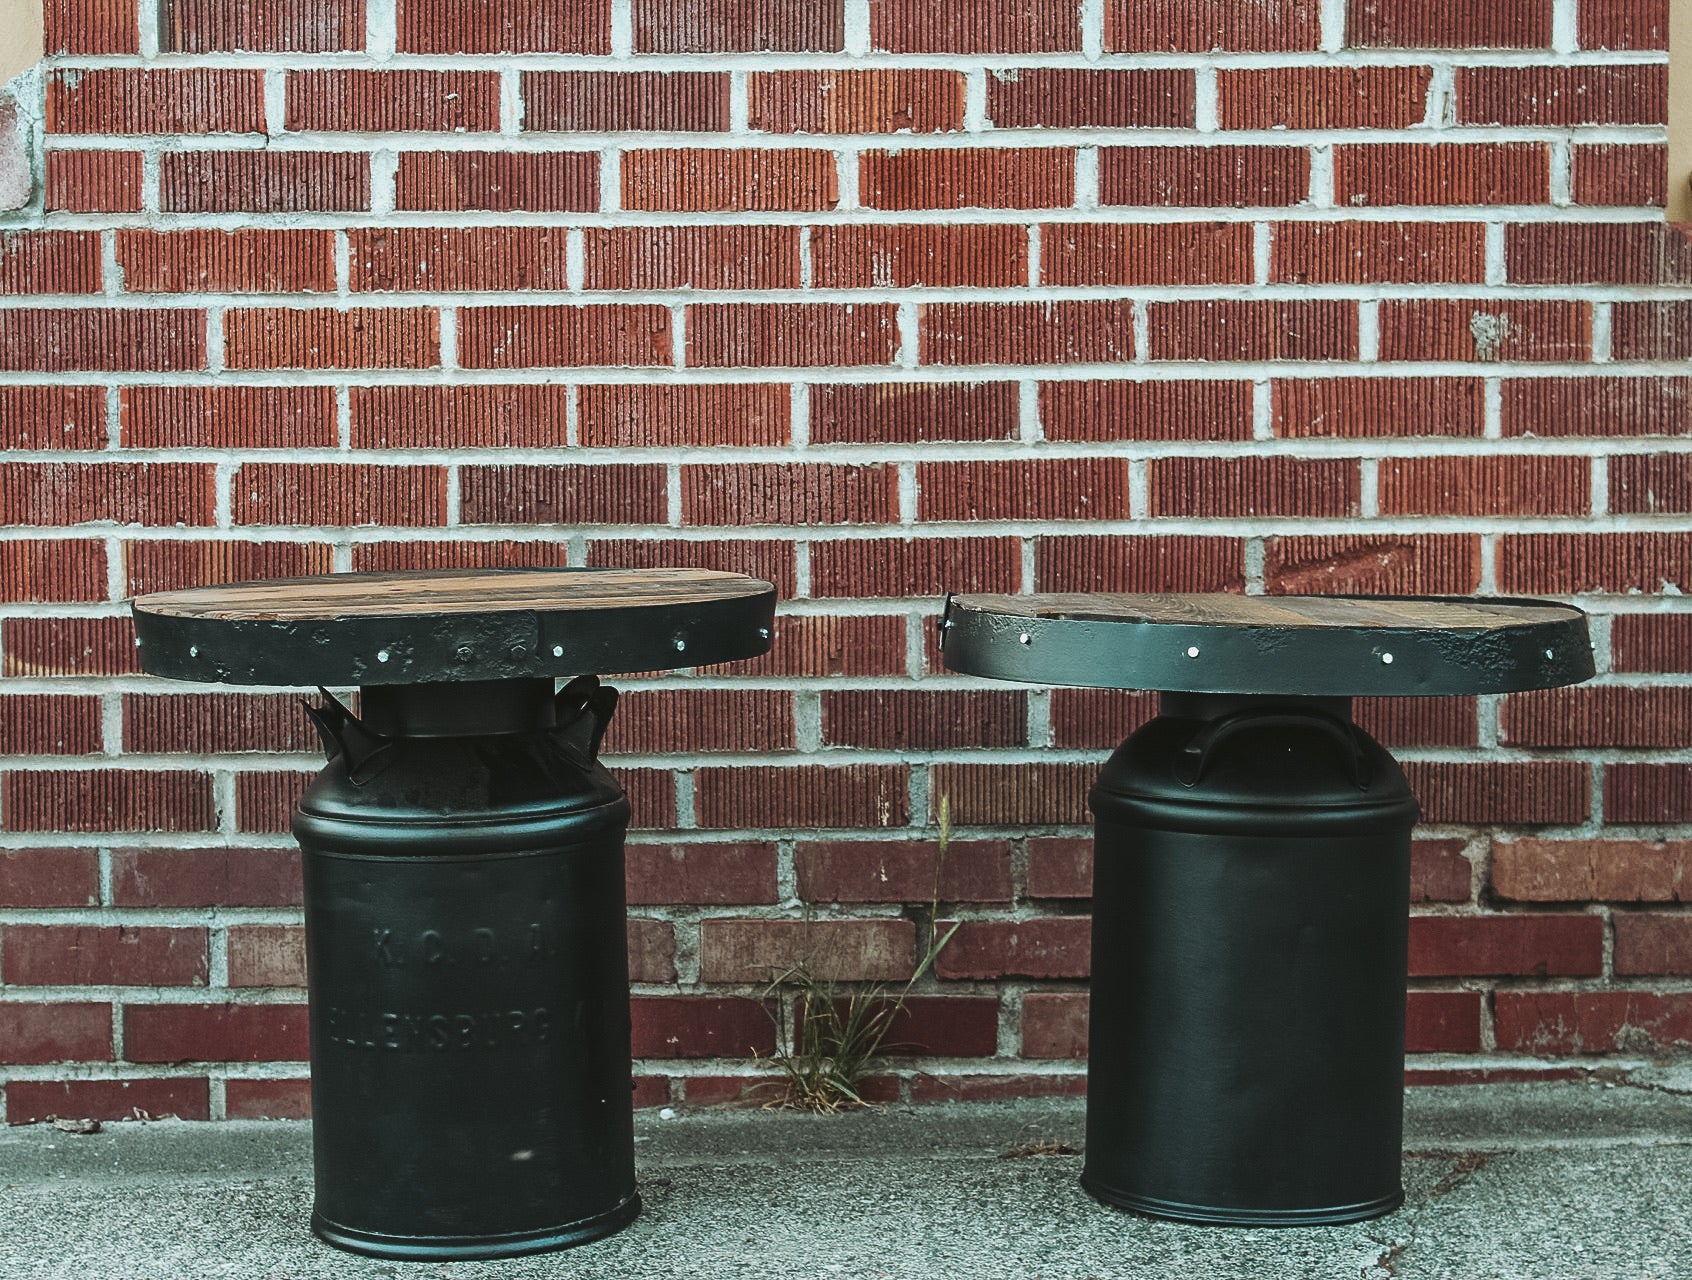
{"type": "Point", "coordinates": [1195, 756]}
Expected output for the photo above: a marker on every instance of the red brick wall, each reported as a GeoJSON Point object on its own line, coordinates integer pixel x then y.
{"type": "Point", "coordinates": [874, 299]}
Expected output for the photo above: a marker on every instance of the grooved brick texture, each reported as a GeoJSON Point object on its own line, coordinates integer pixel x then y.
{"type": "Point", "coordinates": [875, 301]}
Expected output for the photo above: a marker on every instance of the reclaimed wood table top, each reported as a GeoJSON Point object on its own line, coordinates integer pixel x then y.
{"type": "Point", "coordinates": [422, 626]}
{"type": "Point", "coordinates": [1316, 646]}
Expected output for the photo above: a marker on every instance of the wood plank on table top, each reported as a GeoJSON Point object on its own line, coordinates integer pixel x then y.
{"type": "Point", "coordinates": [436, 591]}
{"type": "Point", "coordinates": [1224, 609]}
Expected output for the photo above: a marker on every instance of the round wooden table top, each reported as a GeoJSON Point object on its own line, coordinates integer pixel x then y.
{"type": "Point", "coordinates": [1294, 646]}
{"type": "Point", "coordinates": [453, 624]}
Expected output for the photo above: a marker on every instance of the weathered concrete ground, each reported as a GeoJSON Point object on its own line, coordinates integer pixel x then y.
{"type": "Point", "coordinates": [1530, 1182]}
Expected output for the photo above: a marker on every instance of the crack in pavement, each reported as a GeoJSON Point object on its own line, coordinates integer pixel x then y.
{"type": "Point", "coordinates": [1464, 1166]}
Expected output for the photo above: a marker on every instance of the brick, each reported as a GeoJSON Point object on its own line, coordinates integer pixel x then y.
{"type": "Point", "coordinates": [1621, 174]}
{"type": "Point", "coordinates": [921, 567]}
{"type": "Point", "coordinates": [1546, 1022]}
{"type": "Point", "coordinates": [563, 495]}
{"type": "Point", "coordinates": [1097, 717]}
{"type": "Point", "coordinates": [1048, 947]}
{"type": "Point", "coordinates": [1532, 946]}
{"type": "Point", "coordinates": [1200, 26]}
{"type": "Point", "coordinates": [1240, 487]}
{"type": "Point", "coordinates": [1442, 173]}
{"type": "Point", "coordinates": [1069, 331]}
{"type": "Point", "coordinates": [620, 102]}
{"type": "Point", "coordinates": [1596, 406]}
{"type": "Point", "coordinates": [821, 645]}
{"type": "Point", "coordinates": [523, 417]}
{"type": "Point", "coordinates": [1648, 793]}
{"type": "Point", "coordinates": [504, 26]}
{"type": "Point", "coordinates": [215, 1033]}
{"type": "Point", "coordinates": [133, 100]}
{"type": "Point", "coordinates": [266, 955]}
{"type": "Point", "coordinates": [1516, 792]}
{"type": "Point", "coordinates": [1443, 1022]}
{"type": "Point", "coordinates": [814, 335]}
{"type": "Point", "coordinates": [1054, 1024]}
{"type": "Point", "coordinates": [248, 261]}
{"type": "Point", "coordinates": [1571, 562]}
{"type": "Point", "coordinates": [939, 256]}
{"type": "Point", "coordinates": [357, 101]}
{"type": "Point", "coordinates": [975, 178]}
{"type": "Point", "coordinates": [700, 1027]}
{"type": "Point", "coordinates": [457, 260]}
{"type": "Point", "coordinates": [68, 646]}
{"type": "Point", "coordinates": [1486, 330]}
{"type": "Point", "coordinates": [504, 182]}
{"type": "Point", "coordinates": [52, 417]}
{"type": "Point", "coordinates": [804, 796]}
{"type": "Point", "coordinates": [1439, 871]}
{"type": "Point", "coordinates": [1639, 253]}
{"type": "Point", "coordinates": [213, 723]}
{"type": "Point", "coordinates": [93, 955]}
{"type": "Point", "coordinates": [903, 871]}
{"type": "Point", "coordinates": [908, 412]}
{"type": "Point", "coordinates": [40, 1033]}
{"type": "Point", "coordinates": [1078, 98]}
{"type": "Point", "coordinates": [96, 339]}
{"type": "Point", "coordinates": [182, 1097]}
{"type": "Point", "coordinates": [206, 877]}
{"type": "Point", "coordinates": [144, 493]}
{"type": "Point", "coordinates": [1651, 331]}
{"type": "Point", "coordinates": [49, 878]}
{"type": "Point", "coordinates": [654, 721]}
{"type": "Point", "coordinates": [916, 720]}
{"type": "Point", "coordinates": [267, 1099]}
{"type": "Point", "coordinates": [1348, 408]}
{"type": "Point", "coordinates": [341, 494]}
{"type": "Point", "coordinates": [1234, 329]}
{"type": "Point", "coordinates": [90, 26]}
{"type": "Point", "coordinates": [1026, 489]}
{"type": "Point", "coordinates": [93, 181]}
{"type": "Point", "coordinates": [263, 181]}
{"type": "Point", "coordinates": [1480, 486]}
{"type": "Point", "coordinates": [652, 797]}
{"type": "Point", "coordinates": [1623, 24]}
{"type": "Point", "coordinates": [738, 26]}
{"type": "Point", "coordinates": [557, 337]}
{"type": "Point", "coordinates": [993, 795]}
{"type": "Point", "coordinates": [1562, 96]}
{"type": "Point", "coordinates": [687, 180]}
{"type": "Point", "coordinates": [1653, 944]}
{"type": "Point", "coordinates": [262, 26]}
{"type": "Point", "coordinates": [1139, 563]}
{"type": "Point", "coordinates": [1378, 253]}
{"type": "Point", "coordinates": [1651, 642]}
{"type": "Point", "coordinates": [838, 950]}
{"type": "Point", "coordinates": [1414, 24]}
{"type": "Point", "coordinates": [1323, 97]}
{"type": "Point", "coordinates": [885, 100]}
{"type": "Point", "coordinates": [1203, 177]}
{"type": "Point", "coordinates": [656, 416]}
{"type": "Point", "coordinates": [264, 802]}
{"type": "Point", "coordinates": [771, 561]}
{"type": "Point", "coordinates": [712, 875]}
{"type": "Point", "coordinates": [975, 26]}
{"type": "Point", "coordinates": [172, 566]}
{"type": "Point", "coordinates": [1060, 867]}
{"type": "Point", "coordinates": [1162, 410]}
{"type": "Point", "coordinates": [788, 494]}
{"type": "Point", "coordinates": [1649, 483]}
{"type": "Point", "coordinates": [1150, 254]}
{"type": "Point", "coordinates": [47, 724]}
{"type": "Point", "coordinates": [941, 1027]}
{"type": "Point", "coordinates": [324, 338]}
{"type": "Point", "coordinates": [691, 257]}
{"type": "Point", "coordinates": [50, 262]}
{"type": "Point", "coordinates": [57, 570]}
{"type": "Point", "coordinates": [107, 800]}
{"type": "Point", "coordinates": [1415, 564]}
{"type": "Point", "coordinates": [1418, 722]}
{"type": "Point", "coordinates": [652, 951]}
{"type": "Point", "coordinates": [228, 417]}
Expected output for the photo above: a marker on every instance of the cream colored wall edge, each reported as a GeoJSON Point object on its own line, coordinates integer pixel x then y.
{"type": "Point", "coordinates": [1680, 111]}
{"type": "Point", "coordinates": [20, 36]}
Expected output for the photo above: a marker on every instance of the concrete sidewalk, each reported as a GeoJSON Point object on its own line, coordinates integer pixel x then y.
{"type": "Point", "coordinates": [1530, 1182]}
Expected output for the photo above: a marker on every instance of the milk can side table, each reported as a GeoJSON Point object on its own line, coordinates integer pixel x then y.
{"type": "Point", "coordinates": [463, 856]}
{"type": "Point", "coordinates": [1251, 877]}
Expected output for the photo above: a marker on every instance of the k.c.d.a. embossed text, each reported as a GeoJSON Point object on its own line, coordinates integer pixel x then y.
{"type": "Point", "coordinates": [441, 948]}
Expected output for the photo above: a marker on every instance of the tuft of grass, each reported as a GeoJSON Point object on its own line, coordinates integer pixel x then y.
{"type": "Point", "coordinates": [828, 1038]}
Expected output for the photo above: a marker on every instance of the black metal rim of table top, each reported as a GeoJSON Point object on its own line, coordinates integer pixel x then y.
{"type": "Point", "coordinates": [621, 621]}
{"type": "Point", "coordinates": [1369, 646]}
